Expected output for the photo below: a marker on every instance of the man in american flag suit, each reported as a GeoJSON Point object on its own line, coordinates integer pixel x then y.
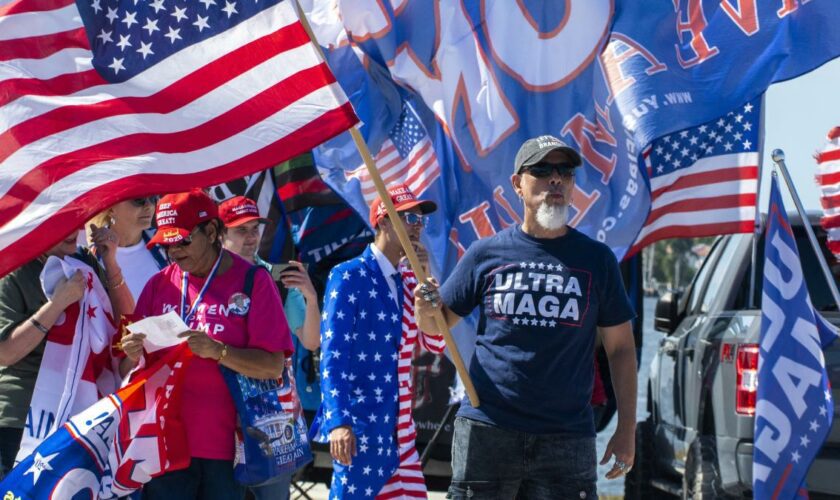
{"type": "Point", "coordinates": [368, 334]}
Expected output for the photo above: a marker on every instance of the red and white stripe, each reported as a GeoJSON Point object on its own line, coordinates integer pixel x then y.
{"type": "Point", "coordinates": [717, 195]}
{"type": "Point", "coordinates": [419, 170]}
{"type": "Point", "coordinates": [288, 396]}
{"type": "Point", "coordinates": [407, 481]}
{"type": "Point", "coordinates": [72, 144]}
{"type": "Point", "coordinates": [828, 178]}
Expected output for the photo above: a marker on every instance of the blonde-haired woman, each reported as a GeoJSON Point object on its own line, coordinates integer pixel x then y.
{"type": "Point", "coordinates": [125, 224]}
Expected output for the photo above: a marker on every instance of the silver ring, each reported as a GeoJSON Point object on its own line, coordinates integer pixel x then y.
{"type": "Point", "coordinates": [621, 465]}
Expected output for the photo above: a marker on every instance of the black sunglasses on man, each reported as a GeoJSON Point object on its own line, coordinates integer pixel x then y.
{"type": "Point", "coordinates": [544, 169]}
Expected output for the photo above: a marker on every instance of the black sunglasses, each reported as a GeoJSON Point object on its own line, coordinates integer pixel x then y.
{"type": "Point", "coordinates": [141, 202]}
{"type": "Point", "coordinates": [183, 243]}
{"type": "Point", "coordinates": [187, 241]}
{"type": "Point", "coordinates": [544, 169]}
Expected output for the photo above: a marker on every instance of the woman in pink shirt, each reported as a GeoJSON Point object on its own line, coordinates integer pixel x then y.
{"type": "Point", "coordinates": [246, 334]}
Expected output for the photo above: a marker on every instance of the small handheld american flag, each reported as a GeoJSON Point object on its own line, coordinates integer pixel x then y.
{"type": "Point", "coordinates": [406, 157]}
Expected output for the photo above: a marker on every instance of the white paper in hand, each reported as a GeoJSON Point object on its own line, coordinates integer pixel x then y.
{"type": "Point", "coordinates": [161, 331]}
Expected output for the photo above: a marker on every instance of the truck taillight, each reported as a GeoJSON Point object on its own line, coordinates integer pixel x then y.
{"type": "Point", "coordinates": [746, 370]}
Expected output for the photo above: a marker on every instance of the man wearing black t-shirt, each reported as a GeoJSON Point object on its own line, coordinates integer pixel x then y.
{"type": "Point", "coordinates": [544, 291]}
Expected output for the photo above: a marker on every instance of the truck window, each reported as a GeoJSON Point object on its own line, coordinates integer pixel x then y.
{"type": "Point", "coordinates": [723, 273]}
{"type": "Point", "coordinates": [817, 286]}
{"type": "Point", "coordinates": [699, 283]}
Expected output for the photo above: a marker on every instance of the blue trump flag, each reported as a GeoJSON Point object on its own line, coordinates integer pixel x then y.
{"type": "Point", "coordinates": [609, 77]}
{"type": "Point", "coordinates": [794, 410]}
{"type": "Point", "coordinates": [112, 448]}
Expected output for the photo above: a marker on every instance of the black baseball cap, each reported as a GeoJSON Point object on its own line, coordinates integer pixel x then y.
{"type": "Point", "coordinates": [534, 150]}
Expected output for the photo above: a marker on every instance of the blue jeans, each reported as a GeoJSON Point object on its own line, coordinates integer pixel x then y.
{"type": "Point", "coordinates": [276, 488]}
{"type": "Point", "coordinates": [493, 463]}
{"type": "Point", "coordinates": [204, 479]}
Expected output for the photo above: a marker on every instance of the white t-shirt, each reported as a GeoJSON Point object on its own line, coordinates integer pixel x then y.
{"type": "Point", "coordinates": [138, 265]}
{"type": "Point", "coordinates": [388, 270]}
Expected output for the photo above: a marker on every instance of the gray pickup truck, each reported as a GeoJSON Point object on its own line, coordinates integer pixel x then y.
{"type": "Point", "coordinates": [698, 440]}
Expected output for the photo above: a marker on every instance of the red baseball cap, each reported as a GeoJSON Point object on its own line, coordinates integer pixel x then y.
{"type": "Point", "coordinates": [239, 210]}
{"type": "Point", "coordinates": [403, 199]}
{"type": "Point", "coordinates": [178, 214]}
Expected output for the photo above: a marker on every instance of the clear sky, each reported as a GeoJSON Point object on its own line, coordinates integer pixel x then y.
{"type": "Point", "coordinates": [798, 115]}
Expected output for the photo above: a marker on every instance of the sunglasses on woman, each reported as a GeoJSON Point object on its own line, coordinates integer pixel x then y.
{"type": "Point", "coordinates": [187, 240]}
{"type": "Point", "coordinates": [184, 243]}
{"type": "Point", "coordinates": [141, 202]}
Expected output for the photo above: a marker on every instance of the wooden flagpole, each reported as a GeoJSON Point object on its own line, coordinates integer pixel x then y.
{"type": "Point", "coordinates": [402, 235]}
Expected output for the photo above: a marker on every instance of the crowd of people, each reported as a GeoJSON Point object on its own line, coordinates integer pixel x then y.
{"type": "Point", "coordinates": [545, 294]}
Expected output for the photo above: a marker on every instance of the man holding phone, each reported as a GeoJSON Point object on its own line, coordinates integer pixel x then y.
{"type": "Point", "coordinates": [368, 336]}
{"type": "Point", "coordinates": [277, 270]}
{"type": "Point", "coordinates": [241, 235]}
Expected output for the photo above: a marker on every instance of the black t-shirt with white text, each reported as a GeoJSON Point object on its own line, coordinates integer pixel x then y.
{"type": "Point", "coordinates": [540, 303]}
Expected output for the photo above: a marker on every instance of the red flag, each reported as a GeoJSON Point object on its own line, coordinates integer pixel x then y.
{"type": "Point", "coordinates": [151, 438]}
{"type": "Point", "coordinates": [100, 103]}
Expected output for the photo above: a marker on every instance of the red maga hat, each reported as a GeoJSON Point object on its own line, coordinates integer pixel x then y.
{"type": "Point", "coordinates": [239, 210]}
{"type": "Point", "coordinates": [403, 199]}
{"type": "Point", "coordinates": [178, 214]}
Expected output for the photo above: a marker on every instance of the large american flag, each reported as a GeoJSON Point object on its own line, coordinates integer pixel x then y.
{"type": "Point", "coordinates": [406, 157]}
{"type": "Point", "coordinates": [104, 100]}
{"type": "Point", "coordinates": [828, 178]}
{"type": "Point", "coordinates": [703, 181]}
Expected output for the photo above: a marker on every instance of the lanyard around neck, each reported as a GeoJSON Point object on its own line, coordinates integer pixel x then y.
{"type": "Point", "coordinates": [184, 291]}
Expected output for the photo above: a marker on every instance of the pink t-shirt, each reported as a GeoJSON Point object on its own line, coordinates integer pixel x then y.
{"type": "Point", "coordinates": [208, 410]}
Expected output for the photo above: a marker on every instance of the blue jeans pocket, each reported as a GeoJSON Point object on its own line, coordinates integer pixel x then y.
{"type": "Point", "coordinates": [482, 452]}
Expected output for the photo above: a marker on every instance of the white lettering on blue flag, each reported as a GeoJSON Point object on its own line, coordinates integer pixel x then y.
{"type": "Point", "coordinates": [95, 428]}
{"type": "Point", "coordinates": [794, 410]}
{"type": "Point", "coordinates": [622, 94]}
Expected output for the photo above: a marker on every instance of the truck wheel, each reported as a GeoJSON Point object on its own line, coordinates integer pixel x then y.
{"type": "Point", "coordinates": [637, 482]}
{"type": "Point", "coordinates": [702, 475]}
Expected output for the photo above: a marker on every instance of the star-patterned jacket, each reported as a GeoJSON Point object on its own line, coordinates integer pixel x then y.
{"type": "Point", "coordinates": [361, 329]}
